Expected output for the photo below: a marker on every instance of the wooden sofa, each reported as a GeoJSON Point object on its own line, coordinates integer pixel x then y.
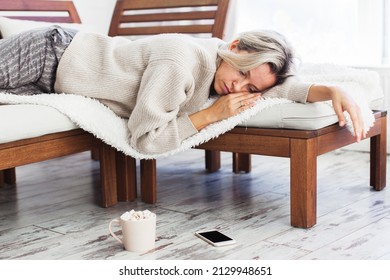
{"type": "Point", "coordinates": [118, 171]}
{"type": "Point", "coordinates": [29, 150]}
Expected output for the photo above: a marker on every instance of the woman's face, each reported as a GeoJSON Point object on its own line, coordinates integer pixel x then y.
{"type": "Point", "coordinates": [230, 80]}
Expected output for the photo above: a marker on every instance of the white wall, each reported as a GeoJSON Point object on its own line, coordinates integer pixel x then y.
{"type": "Point", "coordinates": [299, 25]}
{"type": "Point", "coordinates": [96, 14]}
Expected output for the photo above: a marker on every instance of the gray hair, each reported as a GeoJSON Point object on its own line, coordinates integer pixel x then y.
{"type": "Point", "coordinates": [263, 46]}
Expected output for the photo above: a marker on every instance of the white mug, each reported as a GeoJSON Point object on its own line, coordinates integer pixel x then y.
{"type": "Point", "coordinates": [137, 235]}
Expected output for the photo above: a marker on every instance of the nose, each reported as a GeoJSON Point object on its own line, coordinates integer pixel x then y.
{"type": "Point", "coordinates": [240, 85]}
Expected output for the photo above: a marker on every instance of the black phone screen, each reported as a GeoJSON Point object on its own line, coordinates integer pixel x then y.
{"type": "Point", "coordinates": [215, 236]}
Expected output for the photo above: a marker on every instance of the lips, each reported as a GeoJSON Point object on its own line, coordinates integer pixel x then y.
{"type": "Point", "coordinates": [226, 89]}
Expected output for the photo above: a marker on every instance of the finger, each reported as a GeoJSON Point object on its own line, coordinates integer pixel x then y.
{"type": "Point", "coordinates": [236, 99]}
{"type": "Point", "coordinates": [340, 115]}
{"type": "Point", "coordinates": [239, 94]}
{"type": "Point", "coordinates": [358, 124]}
{"type": "Point", "coordinates": [244, 95]}
{"type": "Point", "coordinates": [244, 105]}
{"type": "Point", "coordinates": [248, 99]}
{"type": "Point", "coordinates": [246, 102]}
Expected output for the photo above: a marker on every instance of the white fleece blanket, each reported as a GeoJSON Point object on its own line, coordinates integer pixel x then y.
{"type": "Point", "coordinates": [97, 119]}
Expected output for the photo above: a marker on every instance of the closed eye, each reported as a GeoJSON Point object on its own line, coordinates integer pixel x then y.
{"type": "Point", "coordinates": [252, 89]}
{"type": "Point", "coordinates": [242, 73]}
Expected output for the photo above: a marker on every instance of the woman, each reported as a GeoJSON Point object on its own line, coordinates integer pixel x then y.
{"type": "Point", "coordinates": [160, 83]}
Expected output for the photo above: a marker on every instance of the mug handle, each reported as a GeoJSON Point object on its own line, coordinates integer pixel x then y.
{"type": "Point", "coordinates": [113, 234]}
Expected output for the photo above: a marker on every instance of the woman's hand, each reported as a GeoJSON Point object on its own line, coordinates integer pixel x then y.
{"type": "Point", "coordinates": [226, 106]}
{"type": "Point", "coordinates": [341, 101]}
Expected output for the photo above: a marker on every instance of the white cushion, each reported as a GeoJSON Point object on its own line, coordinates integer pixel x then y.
{"type": "Point", "coordinates": [363, 85]}
{"type": "Point", "coordinates": [27, 121]}
{"type": "Point", "coordinates": [309, 116]}
{"type": "Point", "coordinates": [10, 27]}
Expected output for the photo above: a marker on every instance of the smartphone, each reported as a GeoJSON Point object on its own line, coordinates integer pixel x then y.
{"type": "Point", "coordinates": [215, 238]}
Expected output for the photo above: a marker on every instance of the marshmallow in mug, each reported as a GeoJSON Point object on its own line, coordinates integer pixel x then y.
{"type": "Point", "coordinates": [137, 215]}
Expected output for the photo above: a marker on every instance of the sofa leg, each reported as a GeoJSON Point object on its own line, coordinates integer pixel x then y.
{"type": "Point", "coordinates": [126, 169]}
{"type": "Point", "coordinates": [95, 153]}
{"type": "Point", "coordinates": [8, 176]}
{"type": "Point", "coordinates": [213, 160]}
{"type": "Point", "coordinates": [107, 157]}
{"type": "Point", "coordinates": [148, 181]}
{"type": "Point", "coordinates": [2, 178]}
{"type": "Point", "coordinates": [303, 182]}
{"type": "Point", "coordinates": [378, 156]}
{"type": "Point", "coordinates": [242, 163]}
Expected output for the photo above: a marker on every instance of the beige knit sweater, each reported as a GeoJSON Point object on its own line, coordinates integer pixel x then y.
{"type": "Point", "coordinates": [155, 82]}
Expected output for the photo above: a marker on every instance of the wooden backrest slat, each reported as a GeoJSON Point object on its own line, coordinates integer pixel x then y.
{"type": "Point", "coordinates": [140, 17]}
{"type": "Point", "coordinates": [200, 29]}
{"type": "Point", "coordinates": [158, 4]}
{"type": "Point", "coordinates": [49, 6]}
{"type": "Point", "coordinates": [58, 19]}
{"type": "Point", "coordinates": [169, 16]}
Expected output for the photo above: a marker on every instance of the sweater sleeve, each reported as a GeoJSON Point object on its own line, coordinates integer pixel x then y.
{"type": "Point", "coordinates": [291, 89]}
{"type": "Point", "coordinates": [156, 124]}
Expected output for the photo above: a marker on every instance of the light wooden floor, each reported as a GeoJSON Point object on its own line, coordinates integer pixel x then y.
{"type": "Point", "coordinates": [54, 211]}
